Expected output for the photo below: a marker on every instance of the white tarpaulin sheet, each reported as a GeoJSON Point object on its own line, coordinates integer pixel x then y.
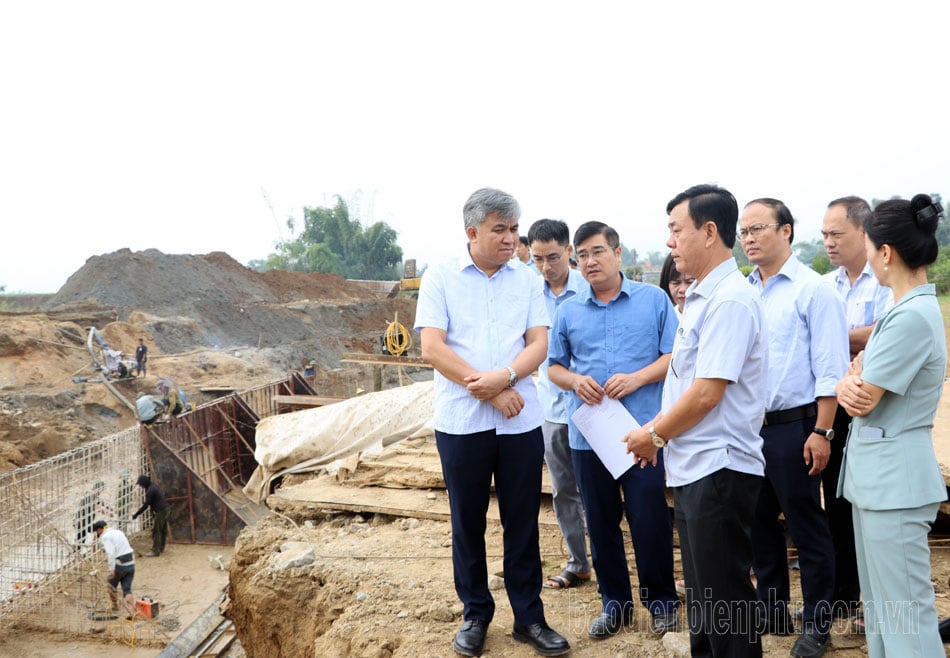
{"type": "Point", "coordinates": [313, 439]}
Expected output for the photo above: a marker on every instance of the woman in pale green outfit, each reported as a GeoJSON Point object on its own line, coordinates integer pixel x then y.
{"type": "Point", "coordinates": [890, 472]}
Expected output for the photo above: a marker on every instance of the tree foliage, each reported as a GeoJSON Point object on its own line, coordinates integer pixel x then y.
{"type": "Point", "coordinates": [332, 242]}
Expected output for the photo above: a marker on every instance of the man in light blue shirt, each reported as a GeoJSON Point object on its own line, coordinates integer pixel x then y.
{"type": "Point", "coordinates": [713, 402]}
{"type": "Point", "coordinates": [523, 254]}
{"type": "Point", "coordinates": [808, 354]}
{"type": "Point", "coordinates": [483, 325]}
{"type": "Point", "coordinates": [866, 301]}
{"type": "Point", "coordinates": [551, 251]}
{"type": "Point", "coordinates": [615, 340]}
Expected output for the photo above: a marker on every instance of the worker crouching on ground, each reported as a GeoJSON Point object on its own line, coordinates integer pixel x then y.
{"type": "Point", "coordinates": [171, 399]}
{"type": "Point", "coordinates": [121, 563]}
{"type": "Point", "coordinates": [155, 499]}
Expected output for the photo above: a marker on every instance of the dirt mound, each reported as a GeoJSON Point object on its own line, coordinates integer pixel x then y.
{"type": "Point", "coordinates": [176, 284]}
{"type": "Point", "coordinates": [181, 301]}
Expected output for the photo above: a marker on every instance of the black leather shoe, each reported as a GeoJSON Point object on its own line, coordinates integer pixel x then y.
{"type": "Point", "coordinates": [545, 641]}
{"type": "Point", "coordinates": [470, 640]}
{"type": "Point", "coordinates": [663, 622]}
{"type": "Point", "coordinates": [810, 644]}
{"type": "Point", "coordinates": [606, 625]}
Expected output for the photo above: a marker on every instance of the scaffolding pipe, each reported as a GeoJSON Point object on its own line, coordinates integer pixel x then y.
{"type": "Point", "coordinates": [105, 372]}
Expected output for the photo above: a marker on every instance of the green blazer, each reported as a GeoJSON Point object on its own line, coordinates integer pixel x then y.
{"type": "Point", "coordinates": [889, 460]}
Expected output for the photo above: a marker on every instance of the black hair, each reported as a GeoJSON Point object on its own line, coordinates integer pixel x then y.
{"type": "Point", "coordinates": [711, 203]}
{"type": "Point", "coordinates": [589, 229]}
{"type": "Point", "coordinates": [856, 207]}
{"type": "Point", "coordinates": [909, 227]}
{"type": "Point", "coordinates": [667, 274]}
{"type": "Point", "coordinates": [782, 214]}
{"type": "Point", "coordinates": [523, 240]}
{"type": "Point", "coordinates": [547, 230]}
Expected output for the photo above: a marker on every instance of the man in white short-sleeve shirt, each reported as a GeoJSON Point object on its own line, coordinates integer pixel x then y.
{"type": "Point", "coordinates": [713, 404]}
{"type": "Point", "coordinates": [483, 323]}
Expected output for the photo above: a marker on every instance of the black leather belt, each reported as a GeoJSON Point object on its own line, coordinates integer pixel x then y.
{"type": "Point", "coordinates": [809, 410]}
{"type": "Point", "coordinates": [126, 560]}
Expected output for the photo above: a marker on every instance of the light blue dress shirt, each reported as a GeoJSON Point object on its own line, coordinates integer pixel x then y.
{"type": "Point", "coordinates": [485, 320]}
{"type": "Point", "coordinates": [889, 460]}
{"type": "Point", "coordinates": [808, 335]}
{"type": "Point", "coordinates": [865, 301]}
{"type": "Point", "coordinates": [626, 334]}
{"type": "Point", "coordinates": [722, 335]}
{"type": "Point", "coordinates": [554, 400]}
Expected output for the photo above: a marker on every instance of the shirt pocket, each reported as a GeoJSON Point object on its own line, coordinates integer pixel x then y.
{"type": "Point", "coordinates": [512, 309]}
{"type": "Point", "coordinates": [685, 349]}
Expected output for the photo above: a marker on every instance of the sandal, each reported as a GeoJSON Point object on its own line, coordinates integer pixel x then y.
{"type": "Point", "coordinates": [566, 580]}
{"type": "Point", "coordinates": [857, 624]}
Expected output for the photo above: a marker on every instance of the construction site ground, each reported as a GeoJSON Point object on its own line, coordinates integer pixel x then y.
{"type": "Point", "coordinates": [185, 579]}
{"type": "Point", "coordinates": [381, 581]}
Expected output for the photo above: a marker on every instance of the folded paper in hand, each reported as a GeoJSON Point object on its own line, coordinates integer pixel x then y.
{"type": "Point", "coordinates": [604, 425]}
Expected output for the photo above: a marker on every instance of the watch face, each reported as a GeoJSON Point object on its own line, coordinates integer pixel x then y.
{"type": "Point", "coordinates": [830, 435]}
{"type": "Point", "coordinates": [658, 442]}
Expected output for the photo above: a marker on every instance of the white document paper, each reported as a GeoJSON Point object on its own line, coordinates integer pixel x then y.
{"type": "Point", "coordinates": [604, 425]}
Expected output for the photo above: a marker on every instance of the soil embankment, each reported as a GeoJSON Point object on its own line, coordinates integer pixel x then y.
{"type": "Point", "coordinates": [208, 322]}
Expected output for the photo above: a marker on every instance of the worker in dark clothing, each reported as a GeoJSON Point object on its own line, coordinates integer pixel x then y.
{"type": "Point", "coordinates": [141, 358]}
{"type": "Point", "coordinates": [161, 510]}
{"type": "Point", "coordinates": [90, 506]}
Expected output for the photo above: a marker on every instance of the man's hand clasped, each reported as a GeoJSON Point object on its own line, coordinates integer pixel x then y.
{"type": "Point", "coordinates": [492, 386]}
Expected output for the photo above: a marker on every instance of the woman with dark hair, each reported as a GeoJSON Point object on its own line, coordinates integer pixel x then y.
{"type": "Point", "coordinates": [674, 284]}
{"type": "Point", "coordinates": [890, 473]}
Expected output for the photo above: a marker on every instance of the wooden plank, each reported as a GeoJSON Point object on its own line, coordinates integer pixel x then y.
{"type": "Point", "coordinates": [324, 493]}
{"type": "Point", "coordinates": [306, 400]}
{"type": "Point", "coordinates": [384, 359]}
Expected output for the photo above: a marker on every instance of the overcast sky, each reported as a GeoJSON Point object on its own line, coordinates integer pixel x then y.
{"type": "Point", "coordinates": [164, 125]}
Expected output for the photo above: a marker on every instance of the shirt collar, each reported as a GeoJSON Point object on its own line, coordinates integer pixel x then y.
{"type": "Point", "coordinates": [841, 275]}
{"type": "Point", "coordinates": [791, 269]}
{"type": "Point", "coordinates": [465, 260]}
{"type": "Point", "coordinates": [919, 291]}
{"type": "Point", "coordinates": [575, 281]}
{"type": "Point", "coordinates": [706, 287]}
{"type": "Point", "coordinates": [625, 286]}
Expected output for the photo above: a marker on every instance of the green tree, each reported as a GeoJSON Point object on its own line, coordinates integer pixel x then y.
{"type": "Point", "coordinates": [808, 251]}
{"type": "Point", "coordinates": [821, 263]}
{"type": "Point", "coordinates": [656, 258]}
{"type": "Point", "coordinates": [740, 256]}
{"type": "Point", "coordinates": [332, 242]}
{"type": "Point", "coordinates": [628, 256]}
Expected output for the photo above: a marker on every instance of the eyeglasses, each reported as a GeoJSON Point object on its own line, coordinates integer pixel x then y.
{"type": "Point", "coordinates": [596, 252]}
{"type": "Point", "coordinates": [755, 230]}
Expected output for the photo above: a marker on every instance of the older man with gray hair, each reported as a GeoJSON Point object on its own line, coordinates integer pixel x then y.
{"type": "Point", "coordinates": [483, 323]}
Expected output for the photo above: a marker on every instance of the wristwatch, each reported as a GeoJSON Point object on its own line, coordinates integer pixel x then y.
{"type": "Point", "coordinates": [658, 440]}
{"type": "Point", "coordinates": [512, 377]}
{"type": "Point", "coordinates": [828, 434]}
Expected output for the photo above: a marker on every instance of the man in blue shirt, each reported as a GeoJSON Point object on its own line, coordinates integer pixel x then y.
{"type": "Point", "coordinates": [523, 253]}
{"type": "Point", "coordinates": [866, 300]}
{"type": "Point", "coordinates": [615, 340]}
{"type": "Point", "coordinates": [713, 402]}
{"type": "Point", "coordinates": [808, 354]}
{"type": "Point", "coordinates": [551, 251]}
{"type": "Point", "coordinates": [483, 325]}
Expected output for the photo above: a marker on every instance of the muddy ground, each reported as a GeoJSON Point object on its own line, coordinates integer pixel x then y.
{"type": "Point", "coordinates": [377, 586]}
{"type": "Point", "coordinates": [380, 586]}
